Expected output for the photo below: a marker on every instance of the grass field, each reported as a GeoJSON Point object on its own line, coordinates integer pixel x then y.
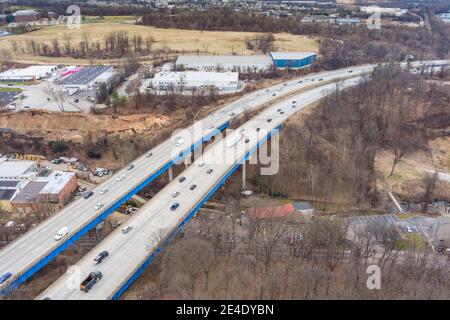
{"type": "Point", "coordinates": [178, 40]}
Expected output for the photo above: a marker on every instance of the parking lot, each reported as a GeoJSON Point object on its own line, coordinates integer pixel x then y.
{"type": "Point", "coordinates": [428, 227]}
{"type": "Point", "coordinates": [6, 97]}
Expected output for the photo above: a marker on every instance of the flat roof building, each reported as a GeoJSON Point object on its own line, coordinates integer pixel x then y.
{"type": "Point", "coordinates": [196, 79]}
{"type": "Point", "coordinates": [242, 64]}
{"type": "Point", "coordinates": [293, 60]}
{"type": "Point", "coordinates": [27, 74]}
{"type": "Point", "coordinates": [84, 78]}
{"type": "Point", "coordinates": [17, 170]}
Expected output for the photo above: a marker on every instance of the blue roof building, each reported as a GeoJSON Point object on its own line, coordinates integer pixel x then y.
{"type": "Point", "coordinates": [293, 60]}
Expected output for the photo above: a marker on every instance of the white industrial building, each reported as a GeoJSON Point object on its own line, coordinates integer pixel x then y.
{"type": "Point", "coordinates": [242, 64]}
{"type": "Point", "coordinates": [84, 78]}
{"type": "Point", "coordinates": [28, 74]}
{"type": "Point", "coordinates": [17, 170]}
{"type": "Point", "coordinates": [196, 79]}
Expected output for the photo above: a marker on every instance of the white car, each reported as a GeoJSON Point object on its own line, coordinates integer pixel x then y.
{"type": "Point", "coordinates": [175, 194]}
{"type": "Point", "coordinates": [12, 107]}
{"type": "Point", "coordinates": [179, 141]}
{"type": "Point", "coordinates": [62, 233]}
{"type": "Point", "coordinates": [98, 206]}
{"type": "Point", "coordinates": [120, 178]}
{"type": "Point", "coordinates": [126, 229]}
{"type": "Point", "coordinates": [103, 191]}
{"type": "Point", "coordinates": [409, 229]}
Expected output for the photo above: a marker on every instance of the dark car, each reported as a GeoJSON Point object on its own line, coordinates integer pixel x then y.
{"type": "Point", "coordinates": [258, 129]}
{"type": "Point", "coordinates": [269, 120]}
{"type": "Point", "coordinates": [209, 171]}
{"type": "Point", "coordinates": [174, 206]}
{"type": "Point", "coordinates": [181, 179]}
{"type": "Point", "coordinates": [5, 277]}
{"type": "Point", "coordinates": [131, 166]}
{"type": "Point", "coordinates": [87, 194]}
{"type": "Point", "coordinates": [247, 140]}
{"type": "Point", "coordinates": [101, 256]}
{"type": "Point", "coordinates": [192, 187]}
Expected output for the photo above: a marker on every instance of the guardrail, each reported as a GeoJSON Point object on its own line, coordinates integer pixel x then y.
{"type": "Point", "coordinates": [52, 253]}
{"type": "Point", "coordinates": [140, 268]}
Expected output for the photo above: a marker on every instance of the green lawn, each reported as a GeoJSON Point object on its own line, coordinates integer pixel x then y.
{"type": "Point", "coordinates": [413, 241]}
{"type": "Point", "coordinates": [10, 90]}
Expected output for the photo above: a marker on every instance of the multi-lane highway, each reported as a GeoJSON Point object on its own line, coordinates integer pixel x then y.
{"type": "Point", "coordinates": [158, 218]}
{"type": "Point", "coordinates": [30, 252]}
{"type": "Point", "coordinates": [27, 254]}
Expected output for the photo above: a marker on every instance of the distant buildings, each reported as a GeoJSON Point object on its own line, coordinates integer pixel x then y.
{"type": "Point", "coordinates": [84, 78]}
{"type": "Point", "coordinates": [26, 16]}
{"type": "Point", "coordinates": [331, 20]}
{"type": "Point", "coordinates": [386, 11]}
{"type": "Point", "coordinates": [196, 80]}
{"type": "Point", "coordinates": [238, 63]}
{"type": "Point", "coordinates": [27, 74]}
{"type": "Point", "coordinates": [23, 189]}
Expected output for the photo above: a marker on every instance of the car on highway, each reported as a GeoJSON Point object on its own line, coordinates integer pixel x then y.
{"type": "Point", "coordinates": [64, 231]}
{"type": "Point", "coordinates": [201, 164]}
{"type": "Point", "coordinates": [26, 108]}
{"type": "Point", "coordinates": [269, 120]}
{"type": "Point", "coordinates": [267, 90]}
{"type": "Point", "coordinates": [181, 179]}
{"type": "Point", "coordinates": [120, 178]}
{"type": "Point", "coordinates": [282, 112]}
{"type": "Point", "coordinates": [5, 277]}
{"type": "Point", "coordinates": [99, 205]}
{"type": "Point", "coordinates": [101, 256]}
{"type": "Point", "coordinates": [320, 79]}
{"type": "Point", "coordinates": [175, 194]}
{"type": "Point", "coordinates": [300, 81]}
{"type": "Point", "coordinates": [174, 206]}
{"type": "Point", "coordinates": [350, 71]}
{"type": "Point", "coordinates": [278, 110]}
{"type": "Point", "coordinates": [232, 114]}
{"type": "Point", "coordinates": [103, 191]}
{"type": "Point", "coordinates": [209, 171]}
{"type": "Point", "coordinates": [131, 166]}
{"type": "Point", "coordinates": [273, 95]}
{"type": "Point", "coordinates": [87, 194]}
{"type": "Point", "coordinates": [192, 187]}
{"type": "Point", "coordinates": [247, 140]}
{"type": "Point", "coordinates": [12, 107]}
{"type": "Point", "coordinates": [126, 229]}
{"type": "Point", "coordinates": [148, 155]}
{"type": "Point", "coordinates": [210, 126]}
{"type": "Point", "coordinates": [284, 84]}
{"type": "Point", "coordinates": [90, 280]}
{"type": "Point", "coordinates": [179, 141]}
{"type": "Point", "coordinates": [258, 129]}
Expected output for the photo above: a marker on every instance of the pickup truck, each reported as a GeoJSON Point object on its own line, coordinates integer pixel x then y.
{"type": "Point", "coordinates": [91, 279]}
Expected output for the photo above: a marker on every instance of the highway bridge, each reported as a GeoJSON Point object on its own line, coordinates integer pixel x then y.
{"type": "Point", "coordinates": [157, 222]}
{"type": "Point", "coordinates": [27, 254]}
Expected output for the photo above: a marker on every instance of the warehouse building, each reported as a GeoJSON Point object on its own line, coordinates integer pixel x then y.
{"type": "Point", "coordinates": [29, 74]}
{"type": "Point", "coordinates": [85, 78]}
{"type": "Point", "coordinates": [241, 64]}
{"type": "Point", "coordinates": [189, 80]}
{"type": "Point", "coordinates": [21, 186]}
{"type": "Point", "coordinates": [293, 60]}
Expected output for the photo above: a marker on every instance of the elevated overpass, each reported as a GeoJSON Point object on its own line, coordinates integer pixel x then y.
{"type": "Point", "coordinates": [30, 252]}
{"type": "Point", "coordinates": [156, 223]}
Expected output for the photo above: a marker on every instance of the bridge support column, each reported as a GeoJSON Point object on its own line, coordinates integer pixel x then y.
{"type": "Point", "coordinates": [170, 174]}
{"type": "Point", "coordinates": [244, 175]}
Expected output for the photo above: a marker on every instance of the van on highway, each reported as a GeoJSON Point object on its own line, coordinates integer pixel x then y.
{"type": "Point", "coordinates": [126, 229]}
{"type": "Point", "coordinates": [62, 233]}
